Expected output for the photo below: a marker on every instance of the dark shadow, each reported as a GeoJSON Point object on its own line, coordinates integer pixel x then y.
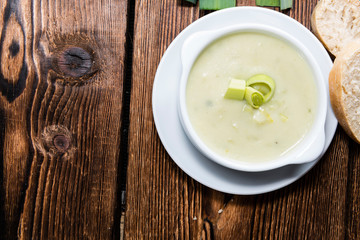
{"type": "Point", "coordinates": [351, 221]}
{"type": "Point", "coordinates": [184, 3]}
{"type": "Point", "coordinates": [2, 190]}
{"type": "Point", "coordinates": [125, 116]}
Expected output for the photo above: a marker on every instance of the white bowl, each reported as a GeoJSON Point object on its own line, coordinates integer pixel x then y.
{"type": "Point", "coordinates": [307, 150]}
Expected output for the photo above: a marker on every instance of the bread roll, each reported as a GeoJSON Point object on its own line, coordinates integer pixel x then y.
{"type": "Point", "coordinates": [344, 87]}
{"type": "Point", "coordinates": [336, 23]}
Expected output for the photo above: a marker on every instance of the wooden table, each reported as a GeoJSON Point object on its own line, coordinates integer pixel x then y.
{"type": "Point", "coordinates": [80, 157]}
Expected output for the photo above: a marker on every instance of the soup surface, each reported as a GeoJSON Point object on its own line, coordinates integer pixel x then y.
{"type": "Point", "coordinates": [234, 129]}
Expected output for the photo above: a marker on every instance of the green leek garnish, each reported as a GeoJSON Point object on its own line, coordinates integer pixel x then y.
{"type": "Point", "coordinates": [254, 97]}
{"type": "Point", "coordinates": [236, 89]}
{"type": "Point", "coordinates": [257, 90]}
{"type": "Point", "coordinates": [220, 4]}
{"type": "Point", "coordinates": [269, 3]}
{"type": "Point", "coordinates": [264, 84]}
{"type": "Point", "coordinates": [216, 4]}
{"type": "Point", "coordinates": [285, 4]}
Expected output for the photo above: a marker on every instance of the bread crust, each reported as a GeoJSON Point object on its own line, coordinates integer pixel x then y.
{"type": "Point", "coordinates": [334, 44]}
{"type": "Point", "coordinates": [337, 91]}
{"type": "Point", "coordinates": [313, 24]}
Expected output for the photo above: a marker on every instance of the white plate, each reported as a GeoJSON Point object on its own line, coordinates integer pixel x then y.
{"type": "Point", "coordinates": [164, 100]}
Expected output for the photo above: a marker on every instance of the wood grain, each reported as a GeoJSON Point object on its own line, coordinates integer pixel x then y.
{"type": "Point", "coordinates": [158, 205]}
{"type": "Point", "coordinates": [61, 79]}
{"type": "Point", "coordinates": [163, 202]}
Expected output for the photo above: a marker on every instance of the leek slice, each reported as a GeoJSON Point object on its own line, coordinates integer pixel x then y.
{"type": "Point", "coordinates": [283, 117]}
{"type": "Point", "coordinates": [285, 4]}
{"type": "Point", "coordinates": [216, 4]}
{"type": "Point", "coordinates": [236, 89]}
{"type": "Point", "coordinates": [264, 84]}
{"type": "Point", "coordinates": [254, 97]}
{"type": "Point", "coordinates": [269, 3]}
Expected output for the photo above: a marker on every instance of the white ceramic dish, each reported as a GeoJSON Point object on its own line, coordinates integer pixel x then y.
{"type": "Point", "coordinates": [170, 131]}
{"type": "Point", "coordinates": [307, 150]}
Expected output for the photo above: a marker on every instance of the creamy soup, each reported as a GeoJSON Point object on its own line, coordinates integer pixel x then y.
{"type": "Point", "coordinates": [234, 129]}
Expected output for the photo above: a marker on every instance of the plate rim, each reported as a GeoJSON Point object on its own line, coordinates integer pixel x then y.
{"type": "Point", "coordinates": [175, 42]}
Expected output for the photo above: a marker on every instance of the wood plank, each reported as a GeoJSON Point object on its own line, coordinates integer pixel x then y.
{"type": "Point", "coordinates": [163, 202]}
{"type": "Point", "coordinates": [158, 205]}
{"type": "Point", "coordinates": [62, 65]}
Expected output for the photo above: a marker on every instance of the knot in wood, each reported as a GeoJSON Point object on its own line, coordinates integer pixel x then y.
{"type": "Point", "coordinates": [61, 143]}
{"type": "Point", "coordinates": [75, 62]}
{"type": "Point", "coordinates": [56, 141]}
{"type": "Point", "coordinates": [14, 48]}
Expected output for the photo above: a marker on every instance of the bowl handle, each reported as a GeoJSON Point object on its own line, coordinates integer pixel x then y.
{"type": "Point", "coordinates": [311, 153]}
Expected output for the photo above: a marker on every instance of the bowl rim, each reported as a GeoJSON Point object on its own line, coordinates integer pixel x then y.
{"type": "Point", "coordinates": [308, 149]}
